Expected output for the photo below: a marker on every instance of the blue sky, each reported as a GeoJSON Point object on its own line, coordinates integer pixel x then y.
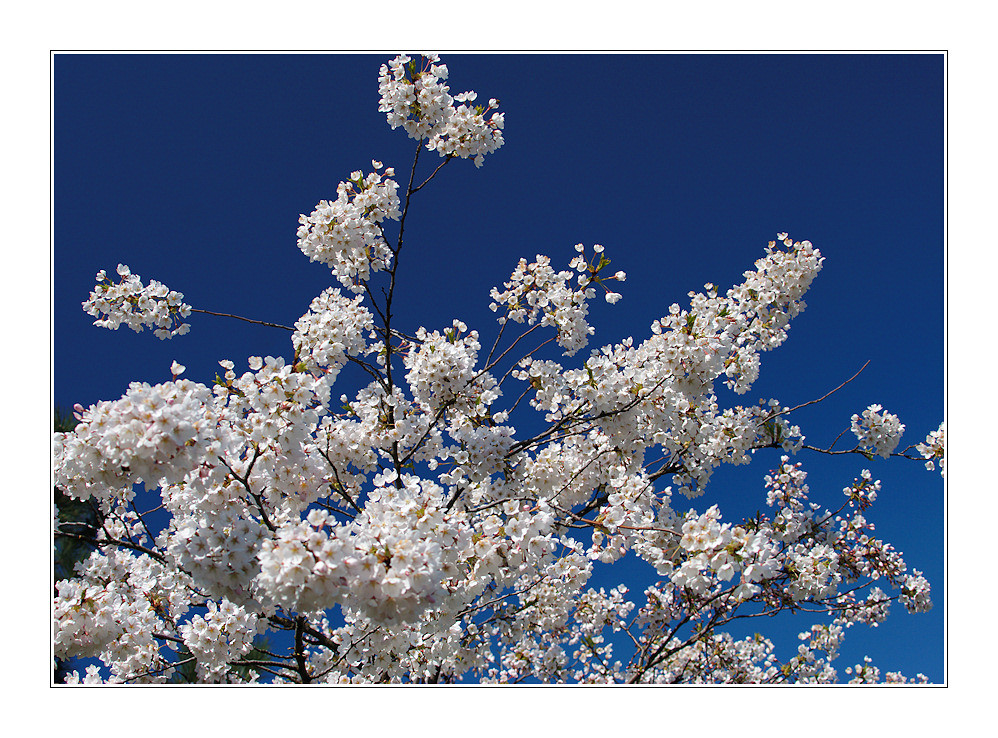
{"type": "Point", "coordinates": [193, 169]}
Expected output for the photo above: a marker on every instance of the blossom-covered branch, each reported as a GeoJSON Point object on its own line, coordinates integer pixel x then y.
{"type": "Point", "coordinates": [429, 528]}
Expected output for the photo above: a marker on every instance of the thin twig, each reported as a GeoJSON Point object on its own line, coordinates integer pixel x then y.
{"type": "Point", "coordinates": [813, 402]}
{"type": "Point", "coordinates": [161, 669]}
{"type": "Point", "coordinates": [113, 542]}
{"type": "Point", "coordinates": [434, 174]}
{"type": "Point", "coordinates": [239, 317]}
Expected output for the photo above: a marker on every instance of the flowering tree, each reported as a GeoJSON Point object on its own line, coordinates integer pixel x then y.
{"type": "Point", "coordinates": [409, 532]}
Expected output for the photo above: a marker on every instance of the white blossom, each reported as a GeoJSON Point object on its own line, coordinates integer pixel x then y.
{"type": "Point", "coordinates": [934, 449]}
{"type": "Point", "coordinates": [138, 306]}
{"type": "Point", "coordinates": [345, 234]}
{"type": "Point", "coordinates": [877, 430]}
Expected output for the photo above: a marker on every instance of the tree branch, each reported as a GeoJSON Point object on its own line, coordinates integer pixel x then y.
{"type": "Point", "coordinates": [239, 317]}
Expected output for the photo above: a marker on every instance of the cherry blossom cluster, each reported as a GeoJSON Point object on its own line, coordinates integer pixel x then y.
{"type": "Point", "coordinates": [389, 565]}
{"type": "Point", "coordinates": [934, 449]}
{"type": "Point", "coordinates": [807, 556]}
{"type": "Point", "coordinates": [414, 96]}
{"type": "Point", "coordinates": [661, 390]}
{"type": "Point", "coordinates": [755, 314]}
{"type": "Point", "coordinates": [333, 329]}
{"type": "Point", "coordinates": [217, 542]}
{"type": "Point", "coordinates": [442, 371]}
{"type": "Point", "coordinates": [877, 430]}
{"type": "Point", "coordinates": [346, 234]}
{"type": "Point", "coordinates": [91, 676]}
{"type": "Point", "coordinates": [223, 634]}
{"type": "Point", "coordinates": [591, 268]}
{"type": "Point", "coordinates": [151, 433]}
{"type": "Point", "coordinates": [374, 423]}
{"type": "Point", "coordinates": [138, 306]}
{"type": "Point", "coordinates": [272, 406]}
{"type": "Point", "coordinates": [481, 451]}
{"type": "Point", "coordinates": [536, 290]}
{"type": "Point", "coordinates": [83, 626]}
{"type": "Point", "coordinates": [638, 408]}
{"type": "Point", "coordinates": [867, 673]}
{"type": "Point", "coordinates": [113, 611]}
{"type": "Point", "coordinates": [716, 550]}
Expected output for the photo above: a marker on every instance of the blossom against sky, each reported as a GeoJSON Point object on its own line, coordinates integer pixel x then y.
{"type": "Point", "coordinates": [194, 169]}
